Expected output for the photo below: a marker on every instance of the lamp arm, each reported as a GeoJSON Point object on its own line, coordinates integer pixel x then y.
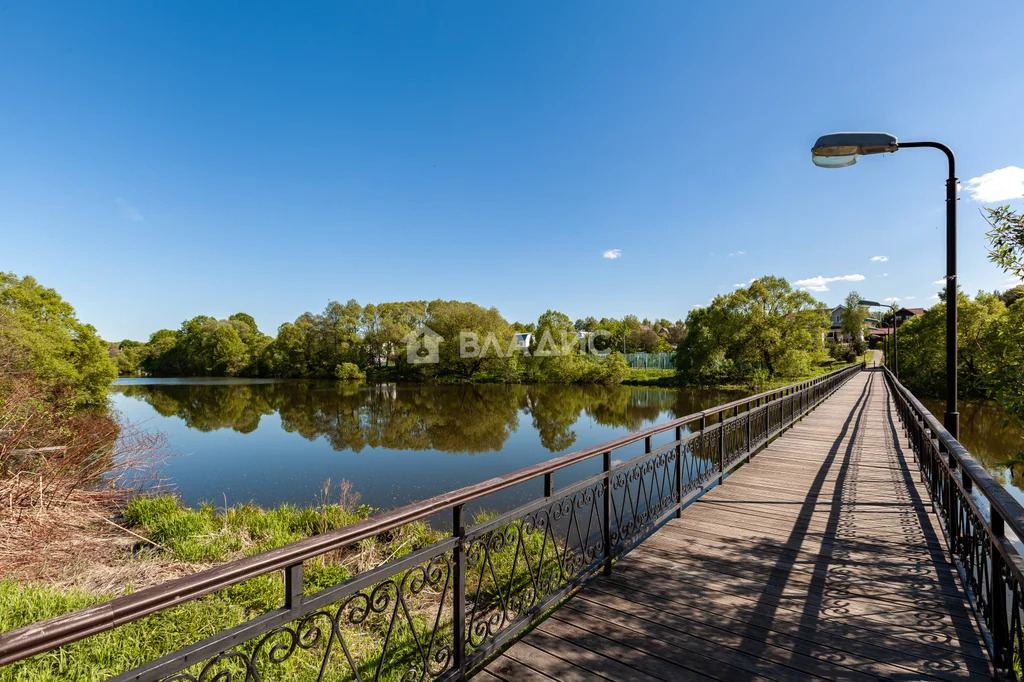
{"type": "Point", "coordinates": [934, 145]}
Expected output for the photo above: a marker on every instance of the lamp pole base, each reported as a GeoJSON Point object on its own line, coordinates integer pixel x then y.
{"type": "Point", "coordinates": [952, 424]}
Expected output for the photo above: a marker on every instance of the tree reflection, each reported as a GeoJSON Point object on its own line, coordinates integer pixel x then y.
{"type": "Point", "coordinates": [990, 436]}
{"type": "Point", "coordinates": [447, 418]}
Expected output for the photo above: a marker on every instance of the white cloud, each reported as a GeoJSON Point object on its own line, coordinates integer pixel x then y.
{"type": "Point", "coordinates": [879, 259]}
{"type": "Point", "coordinates": [933, 297]}
{"type": "Point", "coordinates": [941, 280]}
{"type": "Point", "coordinates": [884, 274]}
{"type": "Point", "coordinates": [909, 298]}
{"type": "Point", "coordinates": [612, 254]}
{"type": "Point", "coordinates": [128, 212]}
{"type": "Point", "coordinates": [696, 307]}
{"type": "Point", "coordinates": [739, 284]}
{"type": "Point", "coordinates": [820, 283]}
{"type": "Point", "coordinates": [737, 253]}
{"type": "Point", "coordinates": [999, 185]}
{"type": "Point", "coordinates": [892, 299]}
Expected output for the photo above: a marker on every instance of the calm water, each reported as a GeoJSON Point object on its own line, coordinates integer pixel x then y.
{"type": "Point", "coordinates": [273, 441]}
{"type": "Point", "coordinates": [983, 433]}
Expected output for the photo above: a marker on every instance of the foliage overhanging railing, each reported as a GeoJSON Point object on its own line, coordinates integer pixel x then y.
{"type": "Point", "coordinates": [983, 525]}
{"type": "Point", "coordinates": [445, 608]}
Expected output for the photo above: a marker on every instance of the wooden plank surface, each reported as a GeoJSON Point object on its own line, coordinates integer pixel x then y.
{"type": "Point", "coordinates": [821, 559]}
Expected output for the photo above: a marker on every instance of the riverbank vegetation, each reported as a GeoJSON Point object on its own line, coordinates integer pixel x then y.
{"type": "Point", "coordinates": [177, 540]}
{"type": "Point", "coordinates": [57, 435]}
{"type": "Point", "coordinates": [990, 332]}
{"type": "Point", "coordinates": [754, 336]}
{"type": "Point", "coordinates": [349, 341]}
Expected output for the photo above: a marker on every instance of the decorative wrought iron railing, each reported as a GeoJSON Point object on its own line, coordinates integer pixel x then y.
{"type": "Point", "coordinates": [983, 525]}
{"type": "Point", "coordinates": [443, 609]}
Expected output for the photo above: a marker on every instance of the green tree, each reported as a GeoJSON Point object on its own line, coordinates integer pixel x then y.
{"type": "Point", "coordinates": [922, 349]}
{"type": "Point", "coordinates": [853, 317]}
{"type": "Point", "coordinates": [1012, 295]}
{"type": "Point", "coordinates": [40, 333]}
{"type": "Point", "coordinates": [767, 327]}
{"type": "Point", "coordinates": [643, 340]}
{"type": "Point", "coordinates": [1006, 239]}
{"type": "Point", "coordinates": [386, 325]}
{"type": "Point", "coordinates": [450, 319]}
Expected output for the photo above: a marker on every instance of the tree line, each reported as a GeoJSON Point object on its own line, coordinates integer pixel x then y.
{"type": "Point", "coordinates": [349, 340]}
{"type": "Point", "coordinates": [765, 331]}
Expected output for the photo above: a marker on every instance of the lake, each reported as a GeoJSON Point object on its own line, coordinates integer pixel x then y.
{"type": "Point", "coordinates": [278, 441]}
{"type": "Point", "coordinates": [275, 441]}
{"type": "Point", "coordinates": [984, 432]}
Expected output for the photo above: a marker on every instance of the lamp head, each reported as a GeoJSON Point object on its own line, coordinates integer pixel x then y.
{"type": "Point", "coordinates": [839, 150]}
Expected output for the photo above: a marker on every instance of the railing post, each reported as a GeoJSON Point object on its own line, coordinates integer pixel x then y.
{"type": "Point", "coordinates": [748, 432]}
{"type": "Point", "coordinates": [997, 598]}
{"type": "Point", "coordinates": [679, 471]}
{"type": "Point", "coordinates": [721, 447]}
{"type": "Point", "coordinates": [549, 484]}
{"type": "Point", "coordinates": [293, 586]}
{"type": "Point", "coordinates": [459, 590]}
{"type": "Point", "coordinates": [607, 460]}
{"type": "Point", "coordinates": [949, 501]}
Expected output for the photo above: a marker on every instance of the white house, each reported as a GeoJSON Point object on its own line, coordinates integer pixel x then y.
{"type": "Point", "coordinates": [836, 332]}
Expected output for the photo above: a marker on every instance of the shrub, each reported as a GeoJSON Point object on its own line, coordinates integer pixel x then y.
{"type": "Point", "coordinates": [348, 371]}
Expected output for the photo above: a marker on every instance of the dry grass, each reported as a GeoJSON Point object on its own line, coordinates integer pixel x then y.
{"type": "Point", "coordinates": [77, 545]}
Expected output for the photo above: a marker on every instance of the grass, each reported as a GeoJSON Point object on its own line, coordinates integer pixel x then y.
{"type": "Point", "coordinates": [779, 382]}
{"type": "Point", "coordinates": [210, 534]}
{"type": "Point", "coordinates": [651, 377]}
{"type": "Point", "coordinates": [108, 653]}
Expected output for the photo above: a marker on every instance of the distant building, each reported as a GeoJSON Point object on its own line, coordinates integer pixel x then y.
{"type": "Point", "coordinates": [904, 314]}
{"type": "Point", "coordinates": [836, 333]}
{"type": "Point", "coordinates": [523, 340]}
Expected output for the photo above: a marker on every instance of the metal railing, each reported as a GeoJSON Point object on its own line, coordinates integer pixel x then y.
{"type": "Point", "coordinates": [983, 525]}
{"type": "Point", "coordinates": [443, 609]}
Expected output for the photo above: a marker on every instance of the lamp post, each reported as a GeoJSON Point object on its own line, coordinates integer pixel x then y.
{"type": "Point", "coordinates": [895, 340]}
{"type": "Point", "coordinates": [839, 150]}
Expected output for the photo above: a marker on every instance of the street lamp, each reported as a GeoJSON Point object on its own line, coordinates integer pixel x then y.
{"type": "Point", "coordinates": [894, 328]}
{"type": "Point", "coordinates": [839, 150]}
{"type": "Point", "coordinates": [868, 304]}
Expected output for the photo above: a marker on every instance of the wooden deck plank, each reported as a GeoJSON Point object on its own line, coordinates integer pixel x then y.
{"type": "Point", "coordinates": [820, 558]}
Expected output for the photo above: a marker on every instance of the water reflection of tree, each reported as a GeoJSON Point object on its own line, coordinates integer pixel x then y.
{"type": "Point", "coordinates": [456, 419]}
{"type": "Point", "coordinates": [206, 407]}
{"type": "Point", "coordinates": [989, 435]}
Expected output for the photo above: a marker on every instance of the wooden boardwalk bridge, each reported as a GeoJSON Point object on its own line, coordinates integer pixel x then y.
{"type": "Point", "coordinates": [830, 529]}
{"type": "Point", "coordinates": [819, 559]}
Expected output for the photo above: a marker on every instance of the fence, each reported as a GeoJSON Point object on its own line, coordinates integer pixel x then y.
{"type": "Point", "coordinates": [651, 360]}
{"type": "Point", "coordinates": [445, 608]}
{"type": "Point", "coordinates": [983, 525]}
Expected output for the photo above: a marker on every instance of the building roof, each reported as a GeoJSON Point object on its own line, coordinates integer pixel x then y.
{"type": "Point", "coordinates": [916, 312]}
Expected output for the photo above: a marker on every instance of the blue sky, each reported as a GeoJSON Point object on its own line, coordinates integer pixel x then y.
{"type": "Point", "coordinates": [160, 160]}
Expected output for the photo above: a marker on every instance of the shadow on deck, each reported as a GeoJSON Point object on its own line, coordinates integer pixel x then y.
{"type": "Point", "coordinates": [819, 559]}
